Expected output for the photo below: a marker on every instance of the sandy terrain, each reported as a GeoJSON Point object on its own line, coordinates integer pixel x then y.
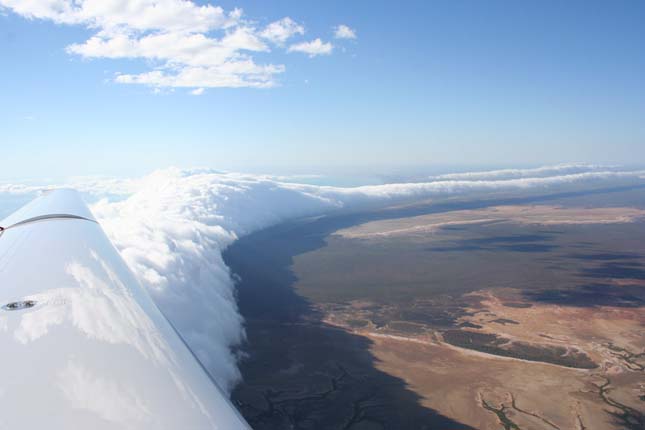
{"type": "Point", "coordinates": [484, 390]}
{"type": "Point", "coordinates": [534, 214]}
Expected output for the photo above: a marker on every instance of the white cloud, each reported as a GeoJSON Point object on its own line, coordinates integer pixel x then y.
{"type": "Point", "coordinates": [197, 91]}
{"type": "Point", "coordinates": [280, 31]}
{"type": "Point", "coordinates": [344, 32]}
{"type": "Point", "coordinates": [537, 172]}
{"type": "Point", "coordinates": [135, 15]}
{"type": "Point", "coordinates": [184, 44]}
{"type": "Point", "coordinates": [231, 75]}
{"type": "Point", "coordinates": [313, 48]}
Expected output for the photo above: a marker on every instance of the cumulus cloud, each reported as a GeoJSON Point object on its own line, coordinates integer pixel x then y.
{"type": "Point", "coordinates": [344, 32]}
{"type": "Point", "coordinates": [172, 226]}
{"type": "Point", "coordinates": [184, 44]}
{"type": "Point", "coordinates": [312, 48]}
{"type": "Point", "coordinates": [280, 31]}
{"type": "Point", "coordinates": [141, 15]}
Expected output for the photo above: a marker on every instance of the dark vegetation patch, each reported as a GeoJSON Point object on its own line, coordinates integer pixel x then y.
{"type": "Point", "coordinates": [606, 256]}
{"type": "Point", "coordinates": [439, 318]}
{"type": "Point", "coordinates": [357, 323]}
{"type": "Point", "coordinates": [497, 345]}
{"type": "Point", "coordinates": [591, 295]}
{"type": "Point", "coordinates": [410, 317]}
{"type": "Point", "coordinates": [406, 327]}
{"type": "Point", "coordinates": [529, 247]}
{"type": "Point", "coordinates": [442, 312]}
{"type": "Point", "coordinates": [454, 228]}
{"type": "Point", "coordinates": [469, 325]}
{"type": "Point", "coordinates": [504, 321]}
{"type": "Point", "coordinates": [456, 248]}
{"type": "Point", "coordinates": [518, 305]}
{"type": "Point", "coordinates": [516, 238]}
{"type": "Point", "coordinates": [583, 244]}
{"type": "Point", "coordinates": [379, 321]}
{"type": "Point", "coordinates": [615, 270]}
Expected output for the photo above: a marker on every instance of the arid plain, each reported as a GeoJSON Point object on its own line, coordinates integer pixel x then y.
{"type": "Point", "coordinates": [519, 314]}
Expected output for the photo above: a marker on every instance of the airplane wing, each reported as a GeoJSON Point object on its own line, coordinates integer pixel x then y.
{"type": "Point", "coordinates": [82, 345]}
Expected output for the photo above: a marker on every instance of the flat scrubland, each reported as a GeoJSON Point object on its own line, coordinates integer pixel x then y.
{"type": "Point", "coordinates": [522, 316]}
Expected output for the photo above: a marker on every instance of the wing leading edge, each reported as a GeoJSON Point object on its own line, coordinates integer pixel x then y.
{"type": "Point", "coordinates": [83, 346]}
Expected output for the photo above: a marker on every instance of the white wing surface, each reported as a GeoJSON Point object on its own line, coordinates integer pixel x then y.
{"type": "Point", "coordinates": [82, 346]}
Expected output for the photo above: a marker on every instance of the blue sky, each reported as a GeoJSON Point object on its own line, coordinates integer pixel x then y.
{"type": "Point", "coordinates": [430, 83]}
